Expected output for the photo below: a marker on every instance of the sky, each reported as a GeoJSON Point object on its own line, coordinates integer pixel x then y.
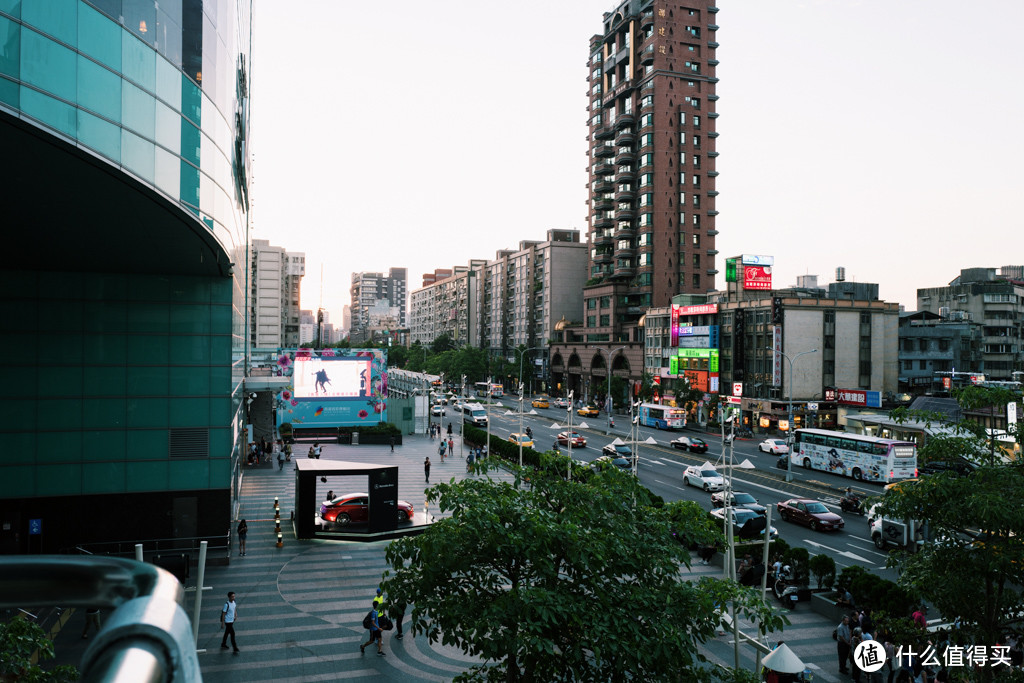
{"type": "Point", "coordinates": [883, 136]}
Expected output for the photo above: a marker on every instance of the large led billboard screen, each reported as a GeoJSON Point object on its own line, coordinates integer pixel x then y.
{"type": "Point", "coordinates": [333, 387]}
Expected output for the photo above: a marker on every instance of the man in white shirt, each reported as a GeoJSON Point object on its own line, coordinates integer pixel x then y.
{"type": "Point", "coordinates": [227, 622]}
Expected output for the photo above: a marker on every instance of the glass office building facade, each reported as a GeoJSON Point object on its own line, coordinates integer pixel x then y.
{"type": "Point", "coordinates": [125, 182]}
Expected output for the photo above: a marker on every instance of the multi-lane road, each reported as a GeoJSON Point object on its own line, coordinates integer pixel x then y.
{"type": "Point", "coordinates": [660, 469]}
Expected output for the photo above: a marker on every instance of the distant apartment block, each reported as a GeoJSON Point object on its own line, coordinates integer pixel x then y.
{"type": "Point", "coordinates": [447, 306]}
{"type": "Point", "coordinates": [369, 288]}
{"type": "Point", "coordinates": [996, 300]}
{"type": "Point", "coordinates": [275, 288]}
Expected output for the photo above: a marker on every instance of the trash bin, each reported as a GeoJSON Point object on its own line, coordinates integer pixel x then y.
{"type": "Point", "coordinates": [355, 438]}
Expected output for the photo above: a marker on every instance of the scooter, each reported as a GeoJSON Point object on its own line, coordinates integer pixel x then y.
{"type": "Point", "coordinates": [782, 463]}
{"type": "Point", "coordinates": [851, 504]}
{"type": "Point", "coordinates": [529, 432]}
{"type": "Point", "coordinates": [785, 590]}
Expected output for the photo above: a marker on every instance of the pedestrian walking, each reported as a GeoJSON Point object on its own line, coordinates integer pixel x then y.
{"type": "Point", "coordinates": [280, 458]}
{"type": "Point", "coordinates": [449, 430]}
{"type": "Point", "coordinates": [228, 615]}
{"type": "Point", "coordinates": [856, 639]}
{"type": "Point", "coordinates": [287, 451]}
{"type": "Point", "coordinates": [317, 449]}
{"type": "Point", "coordinates": [843, 636]}
{"type": "Point", "coordinates": [451, 446]}
{"type": "Point", "coordinates": [441, 449]}
{"type": "Point", "coordinates": [242, 531]}
{"type": "Point", "coordinates": [92, 618]}
{"type": "Point", "coordinates": [426, 468]}
{"type": "Point", "coordinates": [398, 612]}
{"type": "Point", "coordinates": [392, 444]}
{"type": "Point", "coordinates": [372, 623]}
{"type": "Point", "coordinates": [469, 462]}
{"type": "Point", "coordinates": [310, 454]}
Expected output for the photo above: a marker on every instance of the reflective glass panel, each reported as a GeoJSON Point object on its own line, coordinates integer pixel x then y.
{"type": "Point", "coordinates": [168, 172]}
{"type": "Point", "coordinates": [99, 89]}
{"type": "Point", "coordinates": [100, 135]}
{"type": "Point", "coordinates": [58, 18]}
{"type": "Point", "coordinates": [52, 112]}
{"type": "Point", "coordinates": [138, 110]}
{"type": "Point", "coordinates": [137, 155]}
{"type": "Point", "coordinates": [47, 65]}
{"type": "Point", "coordinates": [139, 61]}
{"type": "Point", "coordinates": [168, 128]}
{"type": "Point", "coordinates": [10, 48]}
{"type": "Point", "coordinates": [99, 37]}
{"type": "Point", "coordinates": [168, 83]}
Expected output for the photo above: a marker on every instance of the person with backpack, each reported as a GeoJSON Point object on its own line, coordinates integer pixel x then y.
{"type": "Point", "coordinates": [371, 622]}
{"type": "Point", "coordinates": [442, 448]}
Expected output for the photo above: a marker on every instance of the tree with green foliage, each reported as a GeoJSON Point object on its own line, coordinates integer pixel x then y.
{"type": "Point", "coordinates": [563, 580]}
{"type": "Point", "coordinates": [976, 525]}
{"type": "Point", "coordinates": [19, 641]}
{"type": "Point", "coordinates": [443, 343]}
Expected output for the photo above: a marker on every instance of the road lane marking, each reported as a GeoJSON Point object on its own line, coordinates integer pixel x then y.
{"type": "Point", "coordinates": [844, 553]}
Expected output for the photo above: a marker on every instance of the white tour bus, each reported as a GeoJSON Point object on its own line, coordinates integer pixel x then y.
{"type": "Point", "coordinates": [862, 457]}
{"type": "Point", "coordinates": [662, 417]}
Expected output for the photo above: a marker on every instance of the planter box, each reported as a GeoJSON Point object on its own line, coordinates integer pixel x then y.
{"type": "Point", "coordinates": [825, 605]}
{"type": "Point", "coordinates": [371, 439]}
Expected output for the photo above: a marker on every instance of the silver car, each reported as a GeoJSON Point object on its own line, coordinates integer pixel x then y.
{"type": "Point", "coordinates": [706, 478]}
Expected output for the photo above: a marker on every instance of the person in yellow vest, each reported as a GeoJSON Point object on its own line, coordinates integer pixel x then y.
{"type": "Point", "coordinates": [378, 600]}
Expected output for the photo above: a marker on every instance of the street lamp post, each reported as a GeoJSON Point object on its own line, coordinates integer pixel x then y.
{"type": "Point", "coordinates": [789, 431]}
{"type": "Point", "coordinates": [611, 355]}
{"type": "Point", "coordinates": [462, 423]}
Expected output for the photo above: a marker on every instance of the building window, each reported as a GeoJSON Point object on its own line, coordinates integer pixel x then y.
{"type": "Point", "coordinates": [645, 279]}
{"type": "Point", "coordinates": [696, 281]}
{"type": "Point", "coordinates": [647, 199]}
{"type": "Point", "coordinates": [591, 321]}
{"type": "Point", "coordinates": [646, 179]}
{"type": "Point", "coordinates": [646, 120]}
{"type": "Point", "coordinates": [591, 304]}
{"type": "Point", "coordinates": [646, 219]}
{"type": "Point", "coordinates": [696, 201]}
{"type": "Point", "coordinates": [646, 160]}
{"type": "Point", "coordinates": [647, 140]}
{"type": "Point", "coordinates": [645, 259]}
{"type": "Point", "coordinates": [696, 240]}
{"type": "Point", "coordinates": [646, 239]}
{"type": "Point", "coordinates": [696, 260]}
{"type": "Point", "coordinates": [696, 122]}
{"type": "Point", "coordinates": [605, 320]}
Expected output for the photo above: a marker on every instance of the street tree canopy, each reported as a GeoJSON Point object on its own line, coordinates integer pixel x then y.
{"type": "Point", "coordinates": [971, 566]}
{"type": "Point", "coordinates": [564, 580]}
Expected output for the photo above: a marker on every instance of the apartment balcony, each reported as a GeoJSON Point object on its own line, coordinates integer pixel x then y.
{"type": "Point", "coordinates": [625, 232]}
{"type": "Point", "coordinates": [624, 174]}
{"type": "Point", "coordinates": [624, 214]}
{"type": "Point", "coordinates": [605, 132]}
{"type": "Point", "coordinates": [605, 149]}
{"type": "Point", "coordinates": [625, 252]}
{"type": "Point", "coordinates": [647, 19]}
{"type": "Point", "coordinates": [604, 257]}
{"type": "Point", "coordinates": [603, 239]}
{"type": "Point", "coordinates": [624, 194]}
{"type": "Point", "coordinates": [647, 55]}
{"type": "Point", "coordinates": [625, 120]}
{"type": "Point", "coordinates": [624, 270]}
{"type": "Point", "coordinates": [603, 185]}
{"type": "Point", "coordinates": [625, 137]}
{"type": "Point", "coordinates": [624, 157]}
{"type": "Point", "coordinates": [604, 222]}
{"type": "Point", "coordinates": [604, 204]}
{"type": "Point", "coordinates": [604, 167]}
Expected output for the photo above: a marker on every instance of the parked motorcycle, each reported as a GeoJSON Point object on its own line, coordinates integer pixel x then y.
{"type": "Point", "coordinates": [786, 589]}
{"type": "Point", "coordinates": [852, 504]}
{"type": "Point", "coordinates": [782, 463]}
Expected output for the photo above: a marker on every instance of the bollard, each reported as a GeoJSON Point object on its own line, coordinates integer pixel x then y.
{"type": "Point", "coordinates": [277, 527]}
{"type": "Point", "coordinates": [280, 540]}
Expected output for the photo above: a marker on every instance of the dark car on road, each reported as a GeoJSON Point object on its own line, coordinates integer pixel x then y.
{"type": "Point", "coordinates": [746, 524]}
{"type": "Point", "coordinates": [810, 513]}
{"type": "Point", "coordinates": [353, 508]}
{"type": "Point", "coordinates": [740, 500]}
{"type": "Point", "coordinates": [959, 467]}
{"type": "Point", "coordinates": [690, 443]}
{"type": "Point", "coordinates": [619, 450]}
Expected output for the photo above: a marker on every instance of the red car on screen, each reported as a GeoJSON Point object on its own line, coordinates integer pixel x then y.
{"type": "Point", "coordinates": [353, 508]}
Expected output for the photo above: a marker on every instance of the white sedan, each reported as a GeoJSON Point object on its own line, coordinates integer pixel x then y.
{"type": "Point", "coordinates": [706, 478]}
{"type": "Point", "coordinates": [773, 446]}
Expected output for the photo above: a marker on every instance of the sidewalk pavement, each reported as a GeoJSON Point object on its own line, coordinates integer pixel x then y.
{"type": "Point", "coordinates": [300, 607]}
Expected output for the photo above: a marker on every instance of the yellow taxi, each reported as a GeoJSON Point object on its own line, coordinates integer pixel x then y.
{"type": "Point", "coordinates": [541, 402]}
{"type": "Point", "coordinates": [521, 439]}
{"type": "Point", "coordinates": [588, 411]}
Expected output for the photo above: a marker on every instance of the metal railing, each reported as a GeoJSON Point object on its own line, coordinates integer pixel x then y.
{"type": "Point", "coordinates": [154, 546]}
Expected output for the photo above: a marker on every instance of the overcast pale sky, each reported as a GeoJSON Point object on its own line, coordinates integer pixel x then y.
{"type": "Point", "coordinates": [879, 135]}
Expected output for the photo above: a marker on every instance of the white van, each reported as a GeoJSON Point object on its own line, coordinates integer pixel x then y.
{"type": "Point", "coordinates": [474, 414]}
